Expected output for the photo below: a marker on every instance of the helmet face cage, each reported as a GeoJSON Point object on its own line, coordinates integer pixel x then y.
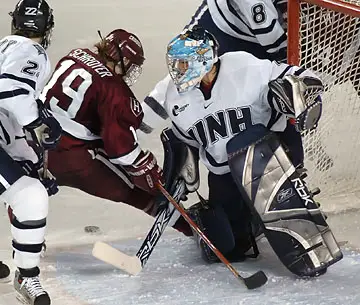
{"type": "Point", "coordinates": [33, 19]}
{"type": "Point", "coordinates": [132, 74]}
{"type": "Point", "coordinates": [190, 57]}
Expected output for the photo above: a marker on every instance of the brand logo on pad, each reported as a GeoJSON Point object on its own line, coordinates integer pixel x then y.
{"type": "Point", "coordinates": [303, 192]}
{"type": "Point", "coordinates": [284, 195]}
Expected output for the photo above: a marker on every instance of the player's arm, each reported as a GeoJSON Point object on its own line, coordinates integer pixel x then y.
{"type": "Point", "coordinates": [121, 117]}
{"type": "Point", "coordinates": [153, 107]}
{"type": "Point", "coordinates": [262, 20]}
{"type": "Point", "coordinates": [23, 72]}
{"type": "Point", "coordinates": [295, 92]}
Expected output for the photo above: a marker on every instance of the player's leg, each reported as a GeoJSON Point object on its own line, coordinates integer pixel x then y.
{"type": "Point", "coordinates": [27, 202]}
{"type": "Point", "coordinates": [94, 174]}
{"type": "Point", "coordinates": [225, 219]}
{"type": "Point", "coordinates": [278, 195]}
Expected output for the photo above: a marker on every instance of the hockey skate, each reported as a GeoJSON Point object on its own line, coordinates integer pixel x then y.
{"type": "Point", "coordinates": [29, 290]}
{"type": "Point", "coordinates": [194, 212]}
{"type": "Point", "coordinates": [4, 273]}
{"type": "Point", "coordinates": [243, 244]}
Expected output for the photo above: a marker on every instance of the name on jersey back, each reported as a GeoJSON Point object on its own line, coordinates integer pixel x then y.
{"type": "Point", "coordinates": [91, 62]}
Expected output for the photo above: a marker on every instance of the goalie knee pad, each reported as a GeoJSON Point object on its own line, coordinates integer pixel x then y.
{"type": "Point", "coordinates": [275, 190]}
{"type": "Point", "coordinates": [27, 201]}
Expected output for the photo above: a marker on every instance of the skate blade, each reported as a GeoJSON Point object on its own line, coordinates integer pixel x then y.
{"type": "Point", "coordinates": [22, 299]}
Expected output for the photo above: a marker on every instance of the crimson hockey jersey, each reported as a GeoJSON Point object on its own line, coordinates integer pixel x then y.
{"type": "Point", "coordinates": [94, 106]}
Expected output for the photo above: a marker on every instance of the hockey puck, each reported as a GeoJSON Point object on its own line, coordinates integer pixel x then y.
{"type": "Point", "coordinates": [92, 229]}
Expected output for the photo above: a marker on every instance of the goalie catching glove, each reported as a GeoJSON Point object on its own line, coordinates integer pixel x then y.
{"type": "Point", "coordinates": [145, 172]}
{"type": "Point", "coordinates": [298, 97]}
{"type": "Point", "coordinates": [45, 130]}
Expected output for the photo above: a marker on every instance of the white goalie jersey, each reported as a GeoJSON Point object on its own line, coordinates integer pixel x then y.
{"type": "Point", "coordinates": [239, 98]}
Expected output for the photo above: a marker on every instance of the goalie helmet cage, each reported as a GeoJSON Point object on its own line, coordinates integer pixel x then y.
{"type": "Point", "coordinates": [323, 35]}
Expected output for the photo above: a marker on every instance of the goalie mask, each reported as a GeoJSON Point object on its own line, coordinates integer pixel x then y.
{"type": "Point", "coordinates": [126, 51]}
{"type": "Point", "coordinates": [33, 19]}
{"type": "Point", "coordinates": [190, 56]}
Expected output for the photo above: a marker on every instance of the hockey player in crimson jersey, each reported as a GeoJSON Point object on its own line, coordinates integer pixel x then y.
{"type": "Point", "coordinates": [231, 109]}
{"type": "Point", "coordinates": [24, 70]}
{"type": "Point", "coordinates": [89, 93]}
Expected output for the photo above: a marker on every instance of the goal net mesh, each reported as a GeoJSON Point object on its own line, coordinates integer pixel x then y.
{"type": "Point", "coordinates": [329, 45]}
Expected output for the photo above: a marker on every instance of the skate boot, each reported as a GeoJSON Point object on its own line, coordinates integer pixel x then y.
{"type": "Point", "coordinates": [4, 273]}
{"type": "Point", "coordinates": [194, 212]}
{"type": "Point", "coordinates": [244, 241]}
{"type": "Point", "coordinates": [28, 288]}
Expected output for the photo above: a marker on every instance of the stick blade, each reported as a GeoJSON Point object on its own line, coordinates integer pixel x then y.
{"type": "Point", "coordinates": [116, 258]}
{"type": "Point", "coordinates": [256, 280]}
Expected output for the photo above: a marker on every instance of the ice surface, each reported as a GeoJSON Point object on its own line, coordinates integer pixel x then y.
{"type": "Point", "coordinates": [174, 274]}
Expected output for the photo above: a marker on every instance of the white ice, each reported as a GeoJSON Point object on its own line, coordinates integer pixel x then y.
{"type": "Point", "coordinates": [174, 274]}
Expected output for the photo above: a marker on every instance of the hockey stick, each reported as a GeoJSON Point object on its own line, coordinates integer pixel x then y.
{"type": "Point", "coordinates": [134, 264]}
{"type": "Point", "coordinates": [254, 281]}
{"type": "Point", "coordinates": [45, 163]}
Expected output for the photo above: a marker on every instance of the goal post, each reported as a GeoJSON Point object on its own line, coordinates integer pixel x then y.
{"type": "Point", "coordinates": [324, 36]}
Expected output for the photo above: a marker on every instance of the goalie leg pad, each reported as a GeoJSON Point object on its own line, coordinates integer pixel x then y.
{"type": "Point", "coordinates": [273, 188]}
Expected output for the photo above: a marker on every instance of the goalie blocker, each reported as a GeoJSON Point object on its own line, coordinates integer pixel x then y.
{"type": "Point", "coordinates": [281, 202]}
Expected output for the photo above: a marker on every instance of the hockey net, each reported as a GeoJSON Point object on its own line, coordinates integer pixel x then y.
{"type": "Point", "coordinates": [323, 35]}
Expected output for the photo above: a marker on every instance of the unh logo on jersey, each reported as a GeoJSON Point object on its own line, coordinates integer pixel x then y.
{"type": "Point", "coordinates": [220, 125]}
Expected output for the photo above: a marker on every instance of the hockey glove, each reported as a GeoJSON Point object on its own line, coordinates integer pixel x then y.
{"type": "Point", "coordinates": [145, 172]}
{"type": "Point", "coordinates": [45, 130]}
{"type": "Point", "coordinates": [298, 97]}
{"type": "Point", "coordinates": [36, 170]}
